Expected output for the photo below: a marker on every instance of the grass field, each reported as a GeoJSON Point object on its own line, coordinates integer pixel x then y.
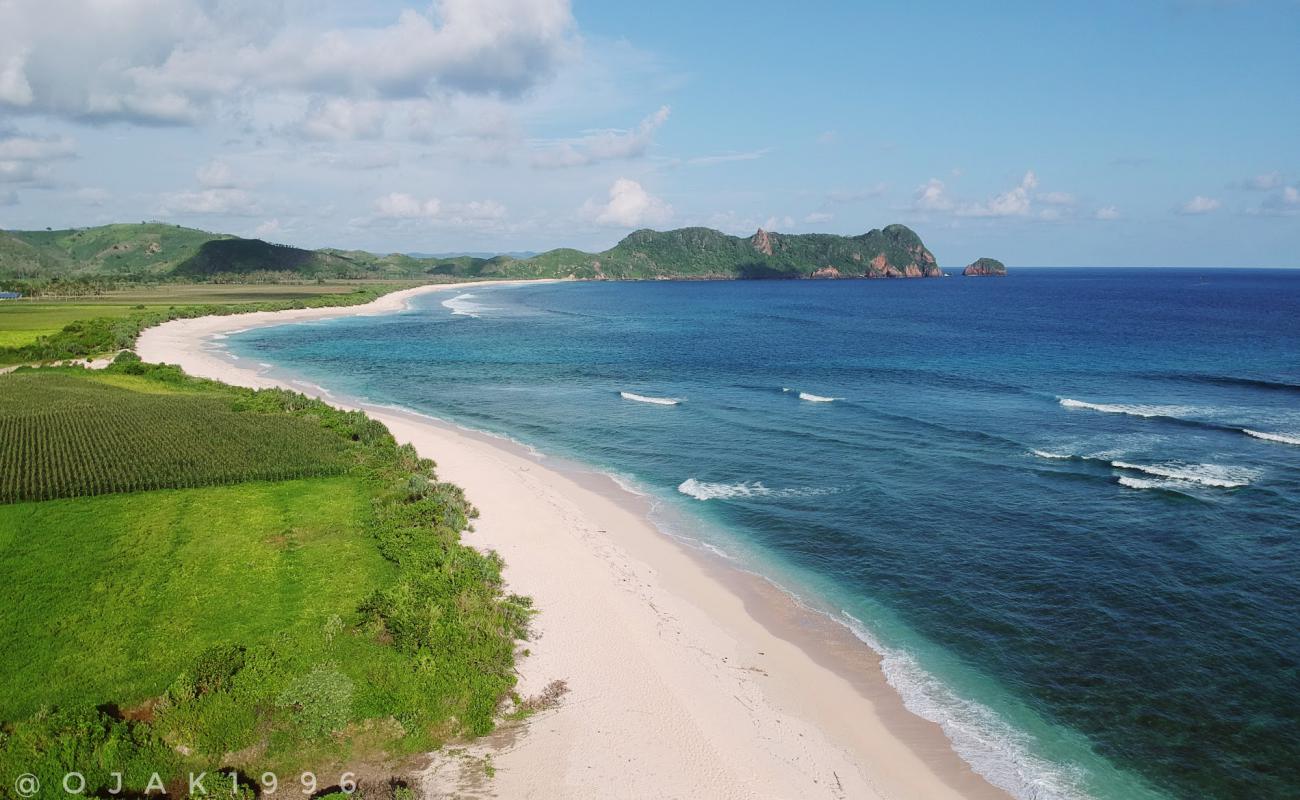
{"type": "Point", "coordinates": [23, 321]}
{"type": "Point", "coordinates": [113, 597]}
{"type": "Point", "coordinates": [291, 624]}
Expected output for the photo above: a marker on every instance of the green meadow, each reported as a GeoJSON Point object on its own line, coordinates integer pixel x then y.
{"type": "Point", "coordinates": [266, 620]}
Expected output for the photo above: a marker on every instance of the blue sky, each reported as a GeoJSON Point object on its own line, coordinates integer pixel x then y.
{"type": "Point", "coordinates": [1140, 133]}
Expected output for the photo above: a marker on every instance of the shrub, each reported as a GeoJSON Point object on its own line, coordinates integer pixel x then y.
{"type": "Point", "coordinates": [320, 702]}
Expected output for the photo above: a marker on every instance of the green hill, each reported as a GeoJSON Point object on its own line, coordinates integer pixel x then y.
{"type": "Point", "coordinates": [159, 252]}
{"type": "Point", "coordinates": [895, 251]}
{"type": "Point", "coordinates": [123, 251]}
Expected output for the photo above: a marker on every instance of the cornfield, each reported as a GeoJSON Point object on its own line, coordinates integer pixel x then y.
{"type": "Point", "coordinates": [66, 436]}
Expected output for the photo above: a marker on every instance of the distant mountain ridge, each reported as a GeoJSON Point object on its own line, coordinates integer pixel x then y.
{"type": "Point", "coordinates": [157, 251]}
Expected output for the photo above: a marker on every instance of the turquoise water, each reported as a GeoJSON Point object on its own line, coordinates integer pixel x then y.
{"type": "Point", "coordinates": [1064, 505]}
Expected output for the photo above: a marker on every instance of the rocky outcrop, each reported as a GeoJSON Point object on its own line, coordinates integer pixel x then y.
{"type": "Point", "coordinates": [762, 242]}
{"type": "Point", "coordinates": [825, 272]}
{"type": "Point", "coordinates": [986, 268]}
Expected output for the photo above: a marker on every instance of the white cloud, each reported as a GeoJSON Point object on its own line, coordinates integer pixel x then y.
{"type": "Point", "coordinates": [933, 196]}
{"type": "Point", "coordinates": [1260, 183]}
{"type": "Point", "coordinates": [1056, 198]}
{"type": "Point", "coordinates": [1013, 203]}
{"type": "Point", "coordinates": [1283, 203]}
{"type": "Point", "coordinates": [338, 118]}
{"type": "Point", "coordinates": [818, 217]}
{"type": "Point", "coordinates": [629, 206]}
{"type": "Point", "coordinates": [218, 175]}
{"type": "Point", "coordinates": [724, 158]}
{"type": "Point", "coordinates": [773, 223]}
{"type": "Point", "coordinates": [173, 62]}
{"type": "Point", "coordinates": [216, 202]}
{"type": "Point", "coordinates": [399, 205]}
{"type": "Point", "coordinates": [14, 89]}
{"type": "Point", "coordinates": [603, 145]}
{"type": "Point", "coordinates": [27, 159]}
{"type": "Point", "coordinates": [268, 228]}
{"type": "Point", "coordinates": [1106, 213]}
{"type": "Point", "coordinates": [92, 195]}
{"type": "Point", "coordinates": [1199, 205]}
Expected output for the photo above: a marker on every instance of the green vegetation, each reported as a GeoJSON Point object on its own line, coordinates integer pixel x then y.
{"type": "Point", "coordinates": [86, 338]}
{"type": "Point", "coordinates": [894, 251]}
{"type": "Point", "coordinates": [67, 436]}
{"type": "Point", "coordinates": [284, 625]}
{"type": "Point", "coordinates": [122, 251]}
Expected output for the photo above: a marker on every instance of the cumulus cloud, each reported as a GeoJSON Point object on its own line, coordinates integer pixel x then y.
{"type": "Point", "coordinates": [818, 217]}
{"type": "Point", "coordinates": [1106, 213]}
{"type": "Point", "coordinates": [932, 196]}
{"type": "Point", "coordinates": [603, 145]}
{"type": "Point", "coordinates": [337, 118]}
{"type": "Point", "coordinates": [213, 202]}
{"type": "Point", "coordinates": [1057, 198]}
{"type": "Point", "coordinates": [27, 159]}
{"type": "Point", "coordinates": [400, 205]}
{"type": "Point", "coordinates": [14, 88]}
{"type": "Point", "coordinates": [170, 63]}
{"type": "Point", "coordinates": [403, 207]}
{"type": "Point", "coordinates": [218, 175]}
{"type": "Point", "coordinates": [629, 206]}
{"type": "Point", "coordinates": [268, 228]}
{"type": "Point", "coordinates": [1260, 183]}
{"type": "Point", "coordinates": [1013, 203]}
{"type": "Point", "coordinates": [1285, 202]}
{"type": "Point", "coordinates": [1199, 205]}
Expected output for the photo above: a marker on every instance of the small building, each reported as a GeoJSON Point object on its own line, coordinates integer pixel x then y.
{"type": "Point", "coordinates": [10, 295]}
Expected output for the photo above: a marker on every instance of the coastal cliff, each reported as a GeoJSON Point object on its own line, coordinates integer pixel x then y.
{"type": "Point", "coordinates": [985, 268]}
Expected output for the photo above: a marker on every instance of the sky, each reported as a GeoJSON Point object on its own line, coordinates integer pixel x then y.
{"type": "Point", "coordinates": [1138, 133]}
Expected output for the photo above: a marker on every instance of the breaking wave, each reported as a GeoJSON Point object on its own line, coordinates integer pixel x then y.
{"type": "Point", "coordinates": [463, 305]}
{"type": "Point", "coordinates": [1214, 475]}
{"type": "Point", "coordinates": [993, 748]}
{"type": "Point", "coordinates": [641, 398]}
{"type": "Point", "coordinates": [1046, 454]}
{"type": "Point", "coordinates": [1281, 438]}
{"type": "Point", "coordinates": [1133, 409]}
{"type": "Point", "coordinates": [702, 490]}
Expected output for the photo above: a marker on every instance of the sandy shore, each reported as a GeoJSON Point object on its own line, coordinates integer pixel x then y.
{"type": "Point", "coordinates": [687, 678]}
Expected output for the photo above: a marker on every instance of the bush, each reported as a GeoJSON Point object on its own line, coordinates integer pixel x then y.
{"type": "Point", "coordinates": [320, 702]}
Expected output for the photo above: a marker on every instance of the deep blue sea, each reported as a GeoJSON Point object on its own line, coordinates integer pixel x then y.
{"type": "Point", "coordinates": [1064, 505]}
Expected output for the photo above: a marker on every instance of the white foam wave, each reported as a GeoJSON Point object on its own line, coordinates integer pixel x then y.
{"type": "Point", "coordinates": [1281, 438]}
{"type": "Point", "coordinates": [816, 398]}
{"type": "Point", "coordinates": [1146, 483]}
{"type": "Point", "coordinates": [463, 305]}
{"type": "Point", "coordinates": [641, 398]}
{"type": "Point", "coordinates": [1046, 454]}
{"type": "Point", "coordinates": [702, 490]}
{"type": "Point", "coordinates": [1215, 475]}
{"type": "Point", "coordinates": [266, 365]}
{"type": "Point", "coordinates": [993, 748]}
{"type": "Point", "coordinates": [1133, 410]}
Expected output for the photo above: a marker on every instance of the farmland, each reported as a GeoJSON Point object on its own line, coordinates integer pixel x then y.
{"type": "Point", "coordinates": [66, 436]}
{"type": "Point", "coordinates": [243, 620]}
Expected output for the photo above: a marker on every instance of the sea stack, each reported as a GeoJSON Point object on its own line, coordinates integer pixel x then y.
{"type": "Point", "coordinates": [986, 268]}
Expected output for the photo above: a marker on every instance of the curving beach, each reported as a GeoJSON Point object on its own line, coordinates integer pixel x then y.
{"type": "Point", "coordinates": [686, 676]}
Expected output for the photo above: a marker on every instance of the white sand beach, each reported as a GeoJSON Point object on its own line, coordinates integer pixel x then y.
{"type": "Point", "coordinates": [687, 678]}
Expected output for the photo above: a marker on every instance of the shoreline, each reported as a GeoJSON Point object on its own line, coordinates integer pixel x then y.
{"type": "Point", "coordinates": [687, 675]}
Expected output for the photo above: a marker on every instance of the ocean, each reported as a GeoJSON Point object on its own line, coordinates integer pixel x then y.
{"type": "Point", "coordinates": [1064, 505]}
